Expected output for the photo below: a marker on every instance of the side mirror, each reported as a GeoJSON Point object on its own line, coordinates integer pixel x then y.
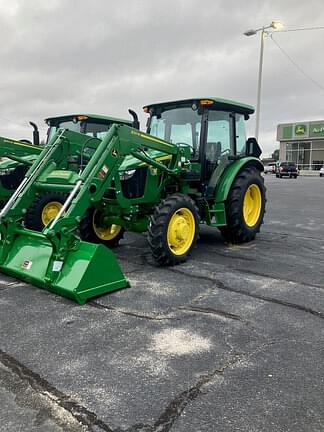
{"type": "Point", "coordinates": [252, 148]}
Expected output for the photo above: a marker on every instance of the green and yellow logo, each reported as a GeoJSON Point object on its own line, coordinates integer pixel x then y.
{"type": "Point", "coordinates": [300, 129]}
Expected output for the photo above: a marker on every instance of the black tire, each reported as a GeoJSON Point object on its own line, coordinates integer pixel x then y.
{"type": "Point", "coordinates": [159, 227]}
{"type": "Point", "coordinates": [87, 230]}
{"type": "Point", "coordinates": [321, 175]}
{"type": "Point", "coordinates": [33, 217]}
{"type": "Point", "coordinates": [237, 230]}
{"type": "Point", "coordinates": [277, 175]}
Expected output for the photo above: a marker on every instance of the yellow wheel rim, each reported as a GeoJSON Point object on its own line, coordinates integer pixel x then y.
{"type": "Point", "coordinates": [104, 233]}
{"type": "Point", "coordinates": [181, 231]}
{"type": "Point", "coordinates": [50, 211]}
{"type": "Point", "coordinates": [252, 205]}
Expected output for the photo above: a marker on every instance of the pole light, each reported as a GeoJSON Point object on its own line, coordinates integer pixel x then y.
{"type": "Point", "coordinates": [274, 25]}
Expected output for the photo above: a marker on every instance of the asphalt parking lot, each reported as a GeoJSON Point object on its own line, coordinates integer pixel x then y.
{"type": "Point", "coordinates": [232, 340]}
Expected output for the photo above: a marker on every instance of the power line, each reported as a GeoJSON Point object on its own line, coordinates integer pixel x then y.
{"type": "Point", "coordinates": [296, 65]}
{"type": "Point", "coordinates": [301, 29]}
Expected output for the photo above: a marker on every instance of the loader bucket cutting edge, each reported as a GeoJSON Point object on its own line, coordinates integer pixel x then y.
{"type": "Point", "coordinates": [88, 272]}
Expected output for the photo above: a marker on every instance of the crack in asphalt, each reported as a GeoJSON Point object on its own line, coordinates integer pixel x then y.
{"type": "Point", "coordinates": [228, 254]}
{"type": "Point", "coordinates": [224, 287]}
{"type": "Point", "coordinates": [211, 311]}
{"type": "Point", "coordinates": [41, 386]}
{"type": "Point", "coordinates": [189, 308]}
{"type": "Point", "coordinates": [303, 237]}
{"type": "Point", "coordinates": [256, 273]}
{"type": "Point", "coordinates": [97, 305]}
{"type": "Point", "coordinates": [90, 420]}
{"type": "Point", "coordinates": [175, 408]}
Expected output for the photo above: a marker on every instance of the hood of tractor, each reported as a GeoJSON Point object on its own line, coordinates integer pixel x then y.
{"type": "Point", "coordinates": [131, 162]}
{"type": "Point", "coordinates": [9, 164]}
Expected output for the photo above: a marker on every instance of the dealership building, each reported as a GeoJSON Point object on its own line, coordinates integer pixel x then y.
{"type": "Point", "coordinates": [302, 143]}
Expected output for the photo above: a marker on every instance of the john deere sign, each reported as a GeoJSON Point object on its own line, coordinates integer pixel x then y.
{"type": "Point", "coordinates": [300, 131]}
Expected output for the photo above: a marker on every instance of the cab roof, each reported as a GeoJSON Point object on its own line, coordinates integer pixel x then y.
{"type": "Point", "coordinates": [101, 118]}
{"type": "Point", "coordinates": [212, 102]}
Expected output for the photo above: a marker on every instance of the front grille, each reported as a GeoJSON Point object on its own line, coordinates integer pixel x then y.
{"type": "Point", "coordinates": [135, 186]}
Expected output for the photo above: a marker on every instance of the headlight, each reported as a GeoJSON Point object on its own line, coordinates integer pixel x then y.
{"type": "Point", "coordinates": [126, 175]}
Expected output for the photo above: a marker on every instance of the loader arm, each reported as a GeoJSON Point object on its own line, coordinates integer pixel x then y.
{"type": "Point", "coordinates": [17, 150]}
{"type": "Point", "coordinates": [57, 259]}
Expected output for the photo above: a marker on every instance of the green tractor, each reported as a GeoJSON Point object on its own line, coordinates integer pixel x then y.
{"type": "Point", "coordinates": [193, 166]}
{"type": "Point", "coordinates": [17, 156]}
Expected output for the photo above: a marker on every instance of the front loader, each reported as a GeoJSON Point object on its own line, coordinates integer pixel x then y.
{"type": "Point", "coordinates": [193, 166]}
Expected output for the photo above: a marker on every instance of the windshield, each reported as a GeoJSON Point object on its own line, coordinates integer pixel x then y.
{"type": "Point", "coordinates": [180, 125]}
{"type": "Point", "coordinates": [91, 128]}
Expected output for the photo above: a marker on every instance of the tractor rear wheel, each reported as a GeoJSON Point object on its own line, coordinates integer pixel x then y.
{"type": "Point", "coordinates": [245, 207]}
{"type": "Point", "coordinates": [44, 209]}
{"type": "Point", "coordinates": [173, 229]}
{"type": "Point", "coordinates": [93, 230]}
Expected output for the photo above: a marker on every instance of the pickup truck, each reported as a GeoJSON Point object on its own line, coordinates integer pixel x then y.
{"type": "Point", "coordinates": [286, 169]}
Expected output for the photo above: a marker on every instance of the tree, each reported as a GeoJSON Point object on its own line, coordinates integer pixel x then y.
{"type": "Point", "coordinates": [275, 155]}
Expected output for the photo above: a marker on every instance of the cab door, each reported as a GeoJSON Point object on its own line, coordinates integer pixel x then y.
{"type": "Point", "coordinates": [218, 140]}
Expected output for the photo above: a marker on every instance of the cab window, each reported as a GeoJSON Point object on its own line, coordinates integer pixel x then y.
{"type": "Point", "coordinates": [218, 140]}
{"type": "Point", "coordinates": [240, 134]}
{"type": "Point", "coordinates": [178, 125]}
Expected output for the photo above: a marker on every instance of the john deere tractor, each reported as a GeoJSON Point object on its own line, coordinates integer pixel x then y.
{"type": "Point", "coordinates": [193, 166]}
{"type": "Point", "coordinates": [17, 156]}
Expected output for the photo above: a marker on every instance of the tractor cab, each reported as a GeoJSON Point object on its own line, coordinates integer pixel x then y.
{"type": "Point", "coordinates": [89, 124]}
{"type": "Point", "coordinates": [213, 128]}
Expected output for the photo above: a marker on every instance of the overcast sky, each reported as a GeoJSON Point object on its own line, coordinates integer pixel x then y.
{"type": "Point", "coordinates": [102, 56]}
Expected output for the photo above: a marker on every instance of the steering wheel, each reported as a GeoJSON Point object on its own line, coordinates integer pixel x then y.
{"type": "Point", "coordinates": [192, 148]}
{"type": "Point", "coordinates": [223, 152]}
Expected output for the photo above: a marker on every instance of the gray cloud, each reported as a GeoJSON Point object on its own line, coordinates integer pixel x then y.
{"type": "Point", "coordinates": [102, 56]}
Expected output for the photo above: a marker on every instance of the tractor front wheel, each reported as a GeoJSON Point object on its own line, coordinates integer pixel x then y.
{"type": "Point", "coordinates": [245, 207]}
{"type": "Point", "coordinates": [43, 209]}
{"type": "Point", "coordinates": [93, 229]}
{"type": "Point", "coordinates": [173, 229]}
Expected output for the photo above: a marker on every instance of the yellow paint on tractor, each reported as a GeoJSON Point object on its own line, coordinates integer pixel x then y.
{"type": "Point", "coordinates": [181, 231]}
{"type": "Point", "coordinates": [105, 233]}
{"type": "Point", "coordinates": [50, 211]}
{"type": "Point", "coordinates": [252, 205]}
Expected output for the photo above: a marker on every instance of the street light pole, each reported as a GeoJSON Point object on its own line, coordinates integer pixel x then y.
{"type": "Point", "coordinates": [257, 111]}
{"type": "Point", "coordinates": [275, 25]}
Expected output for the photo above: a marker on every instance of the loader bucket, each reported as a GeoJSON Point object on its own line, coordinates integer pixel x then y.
{"type": "Point", "coordinates": [88, 272]}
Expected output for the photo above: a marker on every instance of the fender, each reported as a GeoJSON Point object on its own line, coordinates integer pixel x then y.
{"type": "Point", "coordinates": [226, 179]}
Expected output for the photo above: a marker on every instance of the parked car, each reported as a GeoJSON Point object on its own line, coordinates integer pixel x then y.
{"type": "Point", "coordinates": [286, 169]}
{"type": "Point", "coordinates": [321, 172]}
{"type": "Point", "coordinates": [270, 168]}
